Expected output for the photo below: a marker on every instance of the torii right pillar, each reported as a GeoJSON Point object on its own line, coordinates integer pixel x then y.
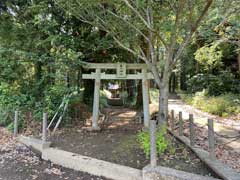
{"type": "Point", "coordinates": [145, 96]}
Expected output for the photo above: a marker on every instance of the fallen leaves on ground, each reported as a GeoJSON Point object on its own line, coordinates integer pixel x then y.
{"type": "Point", "coordinates": [53, 170]}
{"type": "Point", "coordinates": [223, 152]}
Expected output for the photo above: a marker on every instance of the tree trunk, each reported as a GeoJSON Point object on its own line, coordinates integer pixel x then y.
{"type": "Point", "coordinates": [163, 104]}
{"type": "Point", "coordinates": [172, 83]}
{"type": "Point", "coordinates": [131, 89]}
{"type": "Point", "coordinates": [183, 79]}
{"type": "Point", "coordinates": [239, 60]}
{"type": "Point", "coordinates": [139, 101]}
{"type": "Point", "coordinates": [79, 79]}
{"type": "Point", "coordinates": [68, 80]}
{"type": "Point", "coordinates": [38, 79]}
{"type": "Point", "coordinates": [88, 92]}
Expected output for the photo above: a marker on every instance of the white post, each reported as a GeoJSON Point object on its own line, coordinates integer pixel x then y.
{"type": "Point", "coordinates": [96, 100]}
{"type": "Point", "coordinates": [145, 98]}
{"type": "Point", "coordinates": [44, 127]}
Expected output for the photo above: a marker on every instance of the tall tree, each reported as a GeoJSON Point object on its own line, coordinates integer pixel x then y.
{"type": "Point", "coordinates": [170, 26]}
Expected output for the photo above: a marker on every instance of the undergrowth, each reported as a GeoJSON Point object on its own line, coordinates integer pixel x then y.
{"type": "Point", "coordinates": [222, 105]}
{"type": "Point", "coordinates": [161, 141]}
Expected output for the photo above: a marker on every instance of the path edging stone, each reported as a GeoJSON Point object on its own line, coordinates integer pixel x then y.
{"type": "Point", "coordinates": [91, 165]}
{"type": "Point", "coordinates": [222, 170]}
{"type": "Point", "coordinates": [34, 143]}
{"type": "Point", "coordinates": [164, 173]}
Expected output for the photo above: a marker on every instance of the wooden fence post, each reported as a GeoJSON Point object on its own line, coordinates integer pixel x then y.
{"type": "Point", "coordinates": [44, 127]}
{"type": "Point", "coordinates": [191, 127]}
{"type": "Point", "coordinates": [211, 140]}
{"type": "Point", "coordinates": [153, 151]}
{"type": "Point", "coordinates": [180, 124]}
{"type": "Point", "coordinates": [172, 121]}
{"type": "Point", "coordinates": [15, 130]}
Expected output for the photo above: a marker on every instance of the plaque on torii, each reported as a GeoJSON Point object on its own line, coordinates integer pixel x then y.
{"type": "Point", "coordinates": [121, 70]}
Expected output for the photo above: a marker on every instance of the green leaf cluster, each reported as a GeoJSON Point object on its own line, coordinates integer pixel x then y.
{"type": "Point", "coordinates": [161, 141]}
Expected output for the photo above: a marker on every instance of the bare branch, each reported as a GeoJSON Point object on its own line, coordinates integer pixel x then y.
{"type": "Point", "coordinates": [190, 18]}
{"type": "Point", "coordinates": [204, 12]}
{"type": "Point", "coordinates": [150, 34]}
{"type": "Point", "coordinates": [129, 49]}
{"type": "Point", "coordinates": [159, 35]}
{"type": "Point", "coordinates": [143, 54]}
{"type": "Point", "coordinates": [137, 13]}
{"type": "Point", "coordinates": [130, 24]}
{"type": "Point", "coordinates": [189, 36]}
{"type": "Point", "coordinates": [177, 21]}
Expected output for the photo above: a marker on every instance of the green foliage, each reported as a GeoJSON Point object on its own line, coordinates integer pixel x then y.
{"type": "Point", "coordinates": [161, 142]}
{"type": "Point", "coordinates": [215, 49]}
{"type": "Point", "coordinates": [53, 97]}
{"type": "Point", "coordinates": [103, 99]}
{"type": "Point", "coordinates": [210, 56]}
{"type": "Point", "coordinates": [224, 82]}
{"type": "Point", "coordinates": [21, 124]}
{"type": "Point", "coordinates": [223, 105]}
{"type": "Point", "coordinates": [10, 127]}
{"type": "Point", "coordinates": [154, 95]}
{"type": "Point", "coordinates": [44, 43]}
{"type": "Point", "coordinates": [42, 49]}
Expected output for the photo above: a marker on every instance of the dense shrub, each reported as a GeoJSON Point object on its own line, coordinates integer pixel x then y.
{"type": "Point", "coordinates": [214, 84]}
{"type": "Point", "coordinates": [104, 94]}
{"type": "Point", "coordinates": [210, 56]}
{"type": "Point", "coordinates": [223, 105]}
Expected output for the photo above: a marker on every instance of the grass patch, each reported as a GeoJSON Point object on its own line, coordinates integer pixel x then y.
{"type": "Point", "coordinates": [222, 105]}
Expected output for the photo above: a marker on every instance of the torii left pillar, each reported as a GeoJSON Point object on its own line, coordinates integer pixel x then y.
{"type": "Point", "coordinates": [96, 100]}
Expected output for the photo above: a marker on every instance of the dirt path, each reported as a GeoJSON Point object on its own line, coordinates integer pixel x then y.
{"type": "Point", "coordinates": [18, 162]}
{"type": "Point", "coordinates": [227, 131]}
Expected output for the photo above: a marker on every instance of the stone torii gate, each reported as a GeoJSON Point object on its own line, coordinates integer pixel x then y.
{"type": "Point", "coordinates": [121, 73]}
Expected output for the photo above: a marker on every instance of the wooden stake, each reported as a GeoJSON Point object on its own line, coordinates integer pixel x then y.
{"type": "Point", "coordinates": [211, 140]}
{"type": "Point", "coordinates": [192, 133]}
{"type": "Point", "coordinates": [180, 124]}
{"type": "Point", "coordinates": [44, 127]}
{"type": "Point", "coordinates": [172, 120]}
{"type": "Point", "coordinates": [15, 131]}
{"type": "Point", "coordinates": [153, 152]}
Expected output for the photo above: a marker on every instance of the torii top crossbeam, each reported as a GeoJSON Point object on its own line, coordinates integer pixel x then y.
{"type": "Point", "coordinates": [121, 71]}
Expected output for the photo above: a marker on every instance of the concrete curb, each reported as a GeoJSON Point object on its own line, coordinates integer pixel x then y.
{"type": "Point", "coordinates": [91, 165]}
{"type": "Point", "coordinates": [36, 144]}
{"type": "Point", "coordinates": [164, 173]}
{"type": "Point", "coordinates": [222, 170]}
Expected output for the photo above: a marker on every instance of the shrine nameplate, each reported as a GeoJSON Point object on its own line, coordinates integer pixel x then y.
{"type": "Point", "coordinates": [121, 70]}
